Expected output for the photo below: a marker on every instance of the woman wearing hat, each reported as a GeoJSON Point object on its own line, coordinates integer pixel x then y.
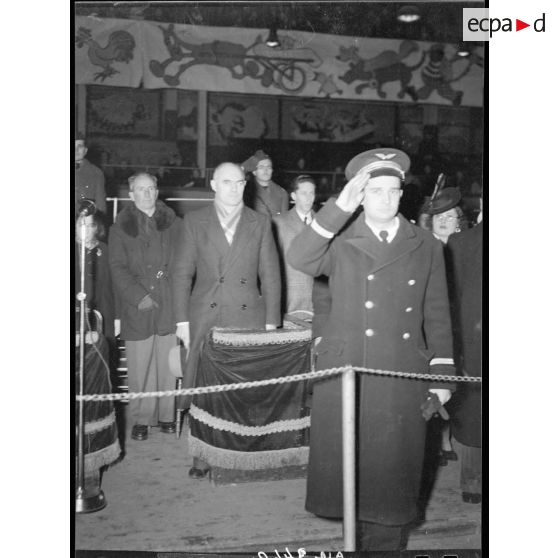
{"type": "Point", "coordinates": [389, 311]}
{"type": "Point", "coordinates": [442, 216]}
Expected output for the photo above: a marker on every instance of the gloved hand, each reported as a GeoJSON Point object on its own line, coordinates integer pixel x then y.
{"type": "Point", "coordinates": [147, 303]}
{"type": "Point", "coordinates": [433, 406]}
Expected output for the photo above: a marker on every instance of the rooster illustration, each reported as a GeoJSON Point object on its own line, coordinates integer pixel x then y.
{"type": "Point", "coordinates": [120, 48]}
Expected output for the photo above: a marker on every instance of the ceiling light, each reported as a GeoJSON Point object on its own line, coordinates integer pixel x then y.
{"type": "Point", "coordinates": [463, 50]}
{"type": "Point", "coordinates": [408, 14]}
{"type": "Point", "coordinates": [272, 40]}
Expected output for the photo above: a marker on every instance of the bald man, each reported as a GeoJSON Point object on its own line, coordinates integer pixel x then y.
{"type": "Point", "coordinates": [225, 272]}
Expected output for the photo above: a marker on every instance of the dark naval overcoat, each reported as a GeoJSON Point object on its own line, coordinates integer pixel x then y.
{"type": "Point", "coordinates": [389, 311]}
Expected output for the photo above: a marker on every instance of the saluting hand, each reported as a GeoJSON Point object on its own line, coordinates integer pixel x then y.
{"type": "Point", "coordinates": [353, 192]}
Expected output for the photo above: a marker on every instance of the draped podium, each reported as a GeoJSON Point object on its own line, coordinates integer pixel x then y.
{"type": "Point", "coordinates": [256, 428]}
{"type": "Point", "coordinates": [100, 443]}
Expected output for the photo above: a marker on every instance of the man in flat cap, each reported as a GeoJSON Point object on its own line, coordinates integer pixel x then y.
{"type": "Point", "coordinates": [89, 179]}
{"type": "Point", "coordinates": [389, 311]}
{"type": "Point", "coordinates": [263, 195]}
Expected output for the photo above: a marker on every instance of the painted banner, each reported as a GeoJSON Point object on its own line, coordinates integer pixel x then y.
{"type": "Point", "coordinates": [232, 117]}
{"type": "Point", "coordinates": [308, 65]}
{"type": "Point", "coordinates": [338, 121]}
{"type": "Point", "coordinates": [108, 51]}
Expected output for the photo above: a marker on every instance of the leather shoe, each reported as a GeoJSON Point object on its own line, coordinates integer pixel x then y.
{"type": "Point", "coordinates": [139, 432]}
{"type": "Point", "coordinates": [167, 427]}
{"type": "Point", "coordinates": [195, 473]}
{"type": "Point", "coordinates": [472, 497]}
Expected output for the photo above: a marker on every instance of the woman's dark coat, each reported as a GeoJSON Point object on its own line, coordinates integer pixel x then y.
{"type": "Point", "coordinates": [466, 257]}
{"type": "Point", "coordinates": [397, 293]}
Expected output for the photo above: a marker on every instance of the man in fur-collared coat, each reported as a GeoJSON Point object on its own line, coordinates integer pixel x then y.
{"type": "Point", "coordinates": [141, 244]}
{"type": "Point", "coordinates": [225, 273]}
{"type": "Point", "coordinates": [389, 311]}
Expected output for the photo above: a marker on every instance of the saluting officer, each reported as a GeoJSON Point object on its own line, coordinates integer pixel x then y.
{"type": "Point", "coordinates": [390, 311]}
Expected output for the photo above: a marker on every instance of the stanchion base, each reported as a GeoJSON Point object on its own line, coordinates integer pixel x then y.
{"type": "Point", "coordinates": [90, 502]}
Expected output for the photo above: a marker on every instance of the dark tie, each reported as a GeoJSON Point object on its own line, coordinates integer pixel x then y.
{"type": "Point", "coordinates": [306, 220]}
{"type": "Point", "coordinates": [384, 237]}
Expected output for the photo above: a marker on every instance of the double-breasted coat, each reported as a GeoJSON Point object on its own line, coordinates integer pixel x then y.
{"type": "Point", "coordinates": [297, 286]}
{"type": "Point", "coordinates": [217, 284]}
{"type": "Point", "coordinates": [140, 252]}
{"type": "Point", "coordinates": [465, 251]}
{"type": "Point", "coordinates": [389, 311]}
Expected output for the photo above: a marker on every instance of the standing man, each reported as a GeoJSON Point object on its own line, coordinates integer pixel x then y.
{"type": "Point", "coordinates": [141, 244]}
{"type": "Point", "coordinates": [225, 273]}
{"type": "Point", "coordinates": [89, 179]}
{"type": "Point", "coordinates": [389, 311]}
{"type": "Point", "coordinates": [265, 196]}
{"type": "Point", "coordinates": [466, 256]}
{"type": "Point", "coordinates": [297, 286]}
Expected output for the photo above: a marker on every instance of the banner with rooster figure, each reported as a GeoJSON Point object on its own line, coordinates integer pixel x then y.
{"type": "Point", "coordinates": [238, 60]}
{"type": "Point", "coordinates": [108, 52]}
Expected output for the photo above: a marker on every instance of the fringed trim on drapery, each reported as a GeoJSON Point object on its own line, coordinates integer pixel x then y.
{"type": "Point", "coordinates": [243, 430]}
{"type": "Point", "coordinates": [97, 425]}
{"type": "Point", "coordinates": [238, 338]}
{"type": "Point", "coordinates": [97, 459]}
{"type": "Point", "coordinates": [249, 461]}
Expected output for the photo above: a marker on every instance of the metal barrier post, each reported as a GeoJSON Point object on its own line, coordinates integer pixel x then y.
{"type": "Point", "coordinates": [349, 453]}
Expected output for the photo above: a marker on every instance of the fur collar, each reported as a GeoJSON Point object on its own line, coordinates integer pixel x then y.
{"type": "Point", "coordinates": [128, 218]}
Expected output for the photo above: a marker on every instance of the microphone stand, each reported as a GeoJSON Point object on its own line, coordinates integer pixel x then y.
{"type": "Point", "coordinates": [91, 500]}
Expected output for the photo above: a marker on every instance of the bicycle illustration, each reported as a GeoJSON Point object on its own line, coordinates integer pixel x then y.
{"type": "Point", "coordinates": [280, 68]}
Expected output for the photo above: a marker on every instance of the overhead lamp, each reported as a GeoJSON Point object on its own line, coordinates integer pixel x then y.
{"type": "Point", "coordinates": [463, 50]}
{"type": "Point", "coordinates": [408, 14]}
{"type": "Point", "coordinates": [272, 40]}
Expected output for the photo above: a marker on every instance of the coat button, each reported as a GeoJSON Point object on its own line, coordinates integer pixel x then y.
{"type": "Point", "coordinates": [221, 279]}
{"type": "Point", "coordinates": [406, 335]}
{"type": "Point", "coordinates": [408, 309]}
{"type": "Point", "coordinates": [152, 287]}
{"type": "Point", "coordinates": [243, 307]}
{"type": "Point", "coordinates": [213, 304]}
{"type": "Point", "coordinates": [369, 304]}
{"type": "Point", "coordinates": [369, 332]}
{"type": "Point", "coordinates": [370, 277]}
{"type": "Point", "coordinates": [412, 281]}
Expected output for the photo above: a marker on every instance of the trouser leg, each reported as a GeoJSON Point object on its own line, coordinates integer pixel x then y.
{"type": "Point", "coordinates": [165, 379]}
{"type": "Point", "coordinates": [373, 536]}
{"type": "Point", "coordinates": [142, 377]}
{"type": "Point", "coordinates": [471, 469]}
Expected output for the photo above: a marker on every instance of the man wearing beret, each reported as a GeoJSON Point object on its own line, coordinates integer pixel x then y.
{"type": "Point", "coordinates": [264, 196]}
{"type": "Point", "coordinates": [389, 311]}
{"type": "Point", "coordinates": [89, 179]}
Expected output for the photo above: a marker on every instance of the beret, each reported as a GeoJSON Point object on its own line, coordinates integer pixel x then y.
{"type": "Point", "coordinates": [251, 163]}
{"type": "Point", "coordinates": [384, 161]}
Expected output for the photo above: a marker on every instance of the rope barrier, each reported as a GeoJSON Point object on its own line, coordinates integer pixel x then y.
{"type": "Point", "coordinates": [273, 381]}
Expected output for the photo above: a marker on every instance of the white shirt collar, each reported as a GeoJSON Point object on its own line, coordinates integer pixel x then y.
{"type": "Point", "coordinates": [392, 231]}
{"type": "Point", "coordinates": [303, 217]}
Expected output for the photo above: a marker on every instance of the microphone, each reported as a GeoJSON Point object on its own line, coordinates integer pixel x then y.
{"type": "Point", "coordinates": [86, 207]}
